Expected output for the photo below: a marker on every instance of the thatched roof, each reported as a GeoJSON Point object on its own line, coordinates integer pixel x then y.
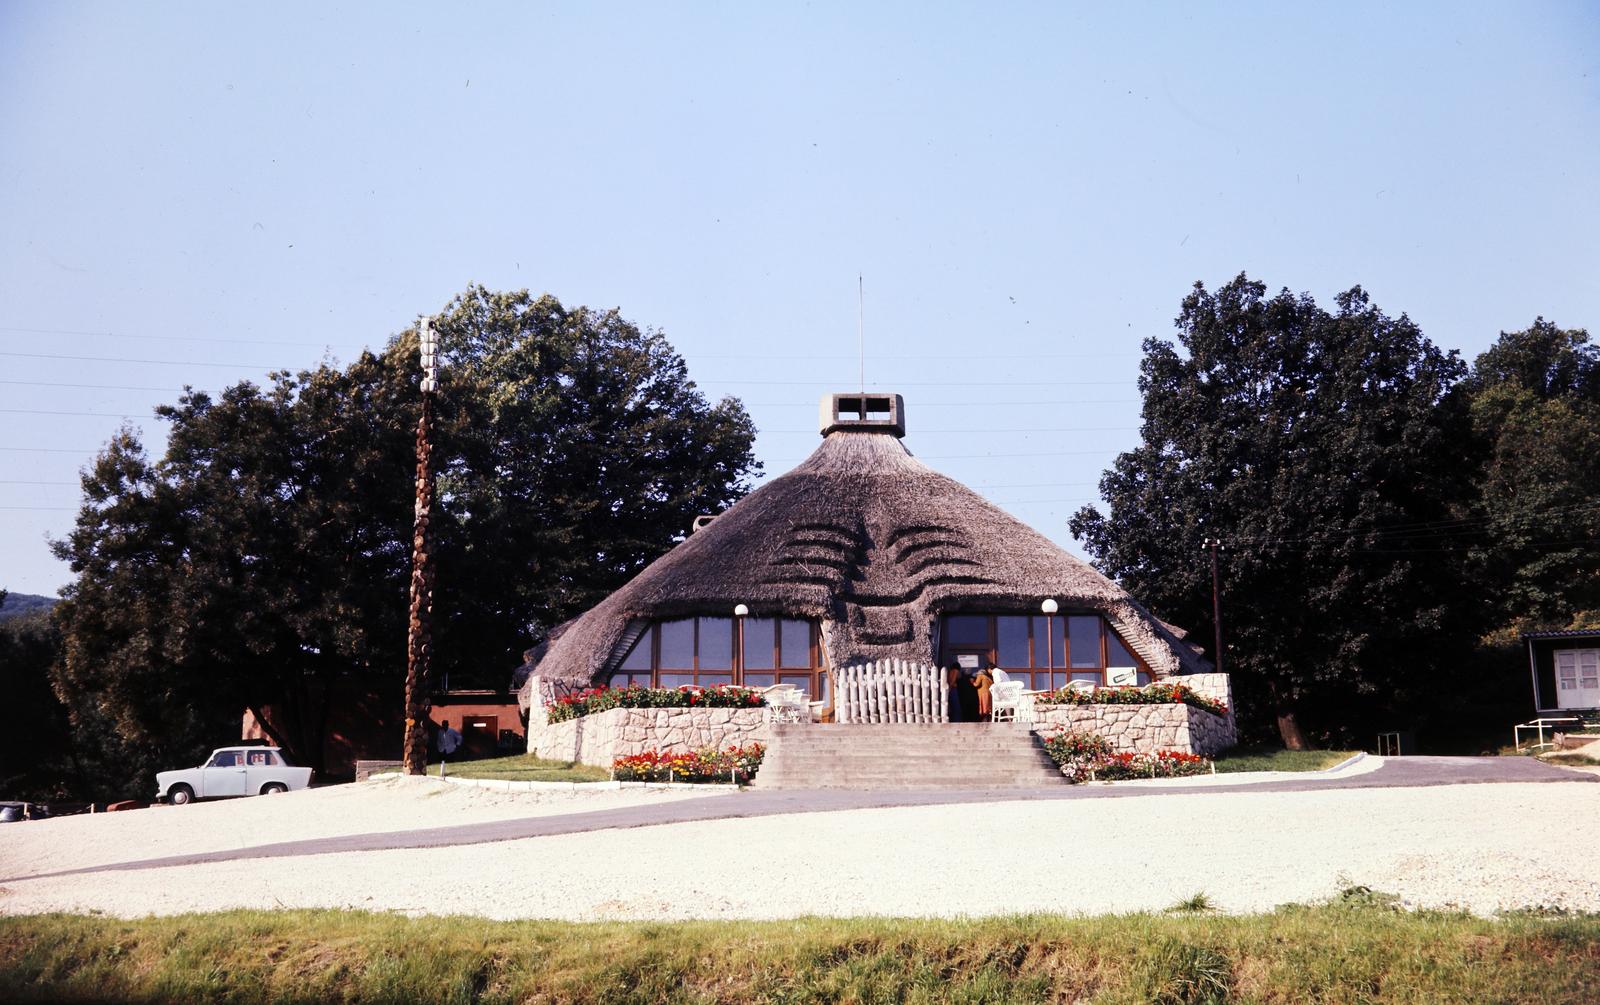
{"type": "Point", "coordinates": [873, 543]}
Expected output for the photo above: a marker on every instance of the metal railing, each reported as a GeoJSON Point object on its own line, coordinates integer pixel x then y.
{"type": "Point", "coordinates": [1540, 725]}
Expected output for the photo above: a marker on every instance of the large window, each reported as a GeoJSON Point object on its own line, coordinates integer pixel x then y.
{"type": "Point", "coordinates": [1043, 653]}
{"type": "Point", "coordinates": [710, 652]}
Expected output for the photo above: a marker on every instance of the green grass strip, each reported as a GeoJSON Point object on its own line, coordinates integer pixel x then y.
{"type": "Point", "coordinates": [519, 768]}
{"type": "Point", "coordinates": [1280, 760]}
{"type": "Point", "coordinates": [1358, 951]}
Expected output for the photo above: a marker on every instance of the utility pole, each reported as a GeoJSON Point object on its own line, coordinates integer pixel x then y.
{"type": "Point", "coordinates": [419, 630]}
{"type": "Point", "coordinates": [1216, 598]}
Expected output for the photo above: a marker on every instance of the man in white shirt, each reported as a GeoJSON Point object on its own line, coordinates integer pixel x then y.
{"type": "Point", "coordinates": [448, 741]}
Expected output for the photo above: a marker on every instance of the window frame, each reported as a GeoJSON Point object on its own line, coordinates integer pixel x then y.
{"type": "Point", "coordinates": [814, 675]}
{"type": "Point", "coordinates": [1039, 675]}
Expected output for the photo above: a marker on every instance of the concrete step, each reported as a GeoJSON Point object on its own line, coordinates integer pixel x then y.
{"type": "Point", "coordinates": [905, 755]}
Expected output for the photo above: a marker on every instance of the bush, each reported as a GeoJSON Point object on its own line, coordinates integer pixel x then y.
{"type": "Point", "coordinates": [1150, 694]}
{"type": "Point", "coordinates": [1086, 756]}
{"type": "Point", "coordinates": [602, 698]}
{"type": "Point", "coordinates": [705, 765]}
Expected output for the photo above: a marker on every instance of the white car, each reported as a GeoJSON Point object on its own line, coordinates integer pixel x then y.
{"type": "Point", "coordinates": [232, 771]}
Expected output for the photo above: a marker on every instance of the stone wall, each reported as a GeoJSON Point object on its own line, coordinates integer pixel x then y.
{"type": "Point", "coordinates": [602, 737]}
{"type": "Point", "coordinates": [1143, 728]}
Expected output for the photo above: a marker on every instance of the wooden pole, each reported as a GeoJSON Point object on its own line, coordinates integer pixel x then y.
{"type": "Point", "coordinates": [419, 626]}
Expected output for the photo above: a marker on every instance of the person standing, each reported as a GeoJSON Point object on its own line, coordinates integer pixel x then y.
{"type": "Point", "coordinates": [448, 740]}
{"type": "Point", "coordinates": [982, 681]}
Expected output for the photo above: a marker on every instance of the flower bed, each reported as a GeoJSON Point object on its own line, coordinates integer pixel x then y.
{"type": "Point", "coordinates": [735, 764]}
{"type": "Point", "coordinates": [1150, 694]}
{"type": "Point", "coordinates": [1088, 757]}
{"type": "Point", "coordinates": [601, 699]}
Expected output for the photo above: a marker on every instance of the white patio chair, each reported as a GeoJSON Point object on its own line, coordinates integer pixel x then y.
{"type": "Point", "coordinates": [1082, 685]}
{"type": "Point", "coordinates": [787, 703]}
{"type": "Point", "coordinates": [1009, 702]}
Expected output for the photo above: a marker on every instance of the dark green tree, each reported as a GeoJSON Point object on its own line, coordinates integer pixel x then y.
{"type": "Point", "coordinates": [1535, 402]}
{"type": "Point", "coordinates": [1322, 448]}
{"type": "Point", "coordinates": [266, 556]}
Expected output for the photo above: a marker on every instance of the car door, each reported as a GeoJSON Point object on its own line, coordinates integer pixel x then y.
{"type": "Point", "coordinates": [262, 766]}
{"type": "Point", "coordinates": [223, 775]}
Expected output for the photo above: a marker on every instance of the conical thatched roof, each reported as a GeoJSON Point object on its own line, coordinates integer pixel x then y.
{"type": "Point", "coordinates": [874, 544]}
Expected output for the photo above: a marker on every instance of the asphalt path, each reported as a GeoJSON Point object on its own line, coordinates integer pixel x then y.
{"type": "Point", "coordinates": [1402, 772]}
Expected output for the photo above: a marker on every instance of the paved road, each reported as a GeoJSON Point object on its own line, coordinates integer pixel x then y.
{"type": "Point", "coordinates": [1394, 773]}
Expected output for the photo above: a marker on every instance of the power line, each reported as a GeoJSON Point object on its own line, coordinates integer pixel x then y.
{"type": "Point", "coordinates": [42, 411]}
{"type": "Point", "coordinates": [92, 387]}
{"type": "Point", "coordinates": [151, 362]}
{"type": "Point", "coordinates": [176, 338]}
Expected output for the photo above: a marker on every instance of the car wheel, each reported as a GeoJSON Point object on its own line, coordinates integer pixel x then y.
{"type": "Point", "coordinates": [273, 788]}
{"type": "Point", "coordinates": [180, 794]}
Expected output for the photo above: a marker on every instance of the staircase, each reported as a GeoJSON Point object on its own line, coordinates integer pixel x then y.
{"type": "Point", "coordinates": [967, 755]}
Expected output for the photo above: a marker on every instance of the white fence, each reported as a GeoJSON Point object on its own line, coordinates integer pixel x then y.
{"type": "Point", "coordinates": [890, 691]}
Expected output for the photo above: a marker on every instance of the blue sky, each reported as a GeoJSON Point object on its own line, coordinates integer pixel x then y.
{"type": "Point", "coordinates": [197, 193]}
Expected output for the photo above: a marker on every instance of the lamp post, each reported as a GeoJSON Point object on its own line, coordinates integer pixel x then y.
{"type": "Point", "coordinates": [1049, 607]}
{"type": "Point", "coordinates": [419, 627]}
{"type": "Point", "coordinates": [739, 613]}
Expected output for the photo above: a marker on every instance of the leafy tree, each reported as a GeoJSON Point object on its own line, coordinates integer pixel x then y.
{"type": "Point", "coordinates": [266, 556]}
{"type": "Point", "coordinates": [1535, 404]}
{"type": "Point", "coordinates": [1321, 448]}
{"type": "Point", "coordinates": [35, 747]}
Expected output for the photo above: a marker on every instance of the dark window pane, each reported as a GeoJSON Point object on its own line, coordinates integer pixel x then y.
{"type": "Point", "coordinates": [822, 688]}
{"type": "Point", "coordinates": [715, 679]}
{"type": "Point", "coordinates": [1144, 678]}
{"type": "Point", "coordinates": [759, 634]}
{"type": "Point", "coordinates": [796, 643]}
{"type": "Point", "coordinates": [803, 682]}
{"type": "Point", "coordinates": [1012, 634]}
{"type": "Point", "coordinates": [1093, 678]}
{"type": "Point", "coordinates": [1058, 681]}
{"type": "Point", "coordinates": [759, 679]}
{"type": "Point", "coordinates": [1085, 641]}
{"type": "Point", "coordinates": [677, 645]}
{"type": "Point", "coordinates": [966, 630]}
{"type": "Point", "coordinates": [716, 643]}
{"type": "Point", "coordinates": [1053, 654]}
{"type": "Point", "coordinates": [639, 656]}
{"type": "Point", "coordinates": [624, 679]}
{"type": "Point", "coordinates": [1117, 654]}
{"type": "Point", "coordinates": [676, 679]}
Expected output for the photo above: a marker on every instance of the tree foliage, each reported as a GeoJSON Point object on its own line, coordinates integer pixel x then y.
{"type": "Point", "coordinates": [266, 555]}
{"type": "Point", "coordinates": [1535, 405]}
{"type": "Point", "coordinates": [1317, 446]}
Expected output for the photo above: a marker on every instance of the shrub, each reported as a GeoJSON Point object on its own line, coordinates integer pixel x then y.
{"type": "Point", "coordinates": [600, 699]}
{"type": "Point", "coordinates": [705, 765]}
{"type": "Point", "coordinates": [1085, 756]}
{"type": "Point", "coordinates": [1150, 694]}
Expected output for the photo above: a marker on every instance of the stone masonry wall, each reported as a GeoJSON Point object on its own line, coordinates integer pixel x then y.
{"type": "Point", "coordinates": [1142, 728]}
{"type": "Point", "coordinates": [602, 737]}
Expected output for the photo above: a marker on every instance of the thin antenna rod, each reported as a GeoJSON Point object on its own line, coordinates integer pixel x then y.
{"type": "Point", "coordinates": [861, 333]}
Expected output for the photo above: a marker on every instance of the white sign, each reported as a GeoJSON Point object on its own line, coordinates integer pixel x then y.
{"type": "Point", "coordinates": [1122, 676]}
{"type": "Point", "coordinates": [968, 661]}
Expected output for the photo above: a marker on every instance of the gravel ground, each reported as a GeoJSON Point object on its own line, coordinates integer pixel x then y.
{"type": "Point", "coordinates": [1486, 848]}
{"type": "Point", "coordinates": [385, 804]}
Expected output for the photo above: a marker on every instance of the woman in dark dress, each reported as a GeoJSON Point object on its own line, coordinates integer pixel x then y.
{"type": "Point", "coordinates": [953, 677]}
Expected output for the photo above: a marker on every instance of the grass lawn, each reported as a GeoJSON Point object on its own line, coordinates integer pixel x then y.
{"type": "Point", "coordinates": [1266, 759]}
{"type": "Point", "coordinates": [522, 768]}
{"type": "Point", "coordinates": [1359, 950]}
